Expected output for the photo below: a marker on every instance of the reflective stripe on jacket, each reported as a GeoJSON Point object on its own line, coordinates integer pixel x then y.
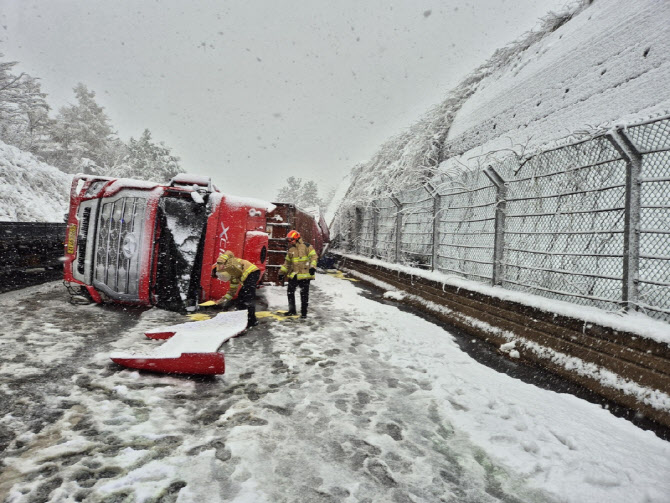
{"type": "Point", "coordinates": [239, 269]}
{"type": "Point", "coordinates": [299, 259]}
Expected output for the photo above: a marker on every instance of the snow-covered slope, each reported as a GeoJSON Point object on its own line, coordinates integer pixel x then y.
{"type": "Point", "coordinates": [336, 201]}
{"type": "Point", "coordinates": [609, 64]}
{"type": "Point", "coordinates": [31, 190]}
{"type": "Point", "coordinates": [598, 63]}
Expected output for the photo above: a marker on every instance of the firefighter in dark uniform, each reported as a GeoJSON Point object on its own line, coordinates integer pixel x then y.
{"type": "Point", "coordinates": [239, 271]}
{"type": "Point", "coordinates": [299, 267]}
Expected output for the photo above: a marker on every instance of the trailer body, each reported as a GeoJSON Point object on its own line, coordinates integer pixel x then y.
{"type": "Point", "coordinates": [283, 218]}
{"type": "Point", "coordinates": [143, 243]}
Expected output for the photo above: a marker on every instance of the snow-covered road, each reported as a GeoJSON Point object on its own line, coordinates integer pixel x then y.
{"type": "Point", "coordinates": [361, 402]}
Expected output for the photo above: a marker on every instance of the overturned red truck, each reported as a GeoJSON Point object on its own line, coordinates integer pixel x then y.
{"type": "Point", "coordinates": [144, 243]}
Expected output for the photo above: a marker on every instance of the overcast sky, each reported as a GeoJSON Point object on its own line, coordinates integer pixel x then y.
{"type": "Point", "coordinates": [252, 92]}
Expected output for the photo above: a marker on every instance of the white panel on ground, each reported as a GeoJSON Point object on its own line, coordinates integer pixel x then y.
{"type": "Point", "coordinates": [195, 337]}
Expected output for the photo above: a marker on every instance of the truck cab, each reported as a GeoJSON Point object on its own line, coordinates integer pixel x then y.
{"type": "Point", "coordinates": [136, 242]}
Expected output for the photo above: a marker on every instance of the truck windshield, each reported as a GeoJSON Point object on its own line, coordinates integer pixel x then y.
{"type": "Point", "coordinates": [182, 224]}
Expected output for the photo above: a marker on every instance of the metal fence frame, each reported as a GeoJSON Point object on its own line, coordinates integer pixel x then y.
{"type": "Point", "coordinates": [587, 222]}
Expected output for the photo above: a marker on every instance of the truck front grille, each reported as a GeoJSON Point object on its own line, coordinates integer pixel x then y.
{"type": "Point", "coordinates": [118, 253]}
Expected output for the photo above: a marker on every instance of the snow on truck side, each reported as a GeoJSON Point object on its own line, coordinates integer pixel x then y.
{"type": "Point", "coordinates": [144, 243]}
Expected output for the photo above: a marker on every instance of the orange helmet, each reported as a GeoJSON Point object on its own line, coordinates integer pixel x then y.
{"type": "Point", "coordinates": [293, 235]}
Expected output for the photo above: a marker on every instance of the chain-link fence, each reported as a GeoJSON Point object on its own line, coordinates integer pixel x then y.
{"type": "Point", "coordinates": [565, 222]}
{"type": "Point", "coordinates": [587, 223]}
{"type": "Point", "coordinates": [387, 220]}
{"type": "Point", "coordinates": [416, 237]}
{"type": "Point", "coordinates": [652, 142]}
{"type": "Point", "coordinates": [466, 232]}
{"type": "Point", "coordinates": [365, 218]}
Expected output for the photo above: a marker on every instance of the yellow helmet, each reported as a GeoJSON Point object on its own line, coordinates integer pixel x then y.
{"type": "Point", "coordinates": [223, 258]}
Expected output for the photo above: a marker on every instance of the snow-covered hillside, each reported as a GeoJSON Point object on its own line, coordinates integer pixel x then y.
{"type": "Point", "coordinates": [31, 190]}
{"type": "Point", "coordinates": [597, 64]}
{"type": "Point", "coordinates": [609, 64]}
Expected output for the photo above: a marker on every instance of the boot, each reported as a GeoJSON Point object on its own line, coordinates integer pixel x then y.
{"type": "Point", "coordinates": [252, 321]}
{"type": "Point", "coordinates": [304, 298]}
{"type": "Point", "coordinates": [291, 307]}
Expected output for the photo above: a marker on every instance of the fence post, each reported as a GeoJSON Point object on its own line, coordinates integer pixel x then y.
{"type": "Point", "coordinates": [631, 228]}
{"type": "Point", "coordinates": [348, 220]}
{"type": "Point", "coordinates": [437, 202]}
{"type": "Point", "coordinates": [499, 226]}
{"type": "Point", "coordinates": [398, 227]}
{"type": "Point", "coordinates": [375, 223]}
{"type": "Point", "coordinates": [358, 229]}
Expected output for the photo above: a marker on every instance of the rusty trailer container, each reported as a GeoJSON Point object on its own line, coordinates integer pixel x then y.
{"type": "Point", "coordinates": [282, 219]}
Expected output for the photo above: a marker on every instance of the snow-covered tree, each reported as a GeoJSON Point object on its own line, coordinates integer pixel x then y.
{"type": "Point", "coordinates": [34, 133]}
{"type": "Point", "coordinates": [84, 134]}
{"type": "Point", "coordinates": [147, 160]}
{"type": "Point", "coordinates": [24, 113]}
{"type": "Point", "coordinates": [291, 192]}
{"type": "Point", "coordinates": [80, 138]}
{"type": "Point", "coordinates": [310, 194]}
{"type": "Point", "coordinates": [302, 194]}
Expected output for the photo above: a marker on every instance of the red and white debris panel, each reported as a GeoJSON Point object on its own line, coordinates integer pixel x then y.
{"type": "Point", "coordinates": [190, 348]}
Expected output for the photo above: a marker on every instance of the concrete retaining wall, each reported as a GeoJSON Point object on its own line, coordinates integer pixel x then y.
{"type": "Point", "coordinates": [30, 253]}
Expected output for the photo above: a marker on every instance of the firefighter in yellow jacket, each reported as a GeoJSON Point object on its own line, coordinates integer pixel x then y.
{"type": "Point", "coordinates": [299, 267]}
{"type": "Point", "coordinates": [239, 272]}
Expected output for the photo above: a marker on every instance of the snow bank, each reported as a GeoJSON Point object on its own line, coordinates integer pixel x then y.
{"type": "Point", "coordinates": [31, 190]}
{"type": "Point", "coordinates": [601, 64]}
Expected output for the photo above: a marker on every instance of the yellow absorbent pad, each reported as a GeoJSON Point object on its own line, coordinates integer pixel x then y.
{"type": "Point", "coordinates": [277, 315]}
{"type": "Point", "coordinates": [340, 275]}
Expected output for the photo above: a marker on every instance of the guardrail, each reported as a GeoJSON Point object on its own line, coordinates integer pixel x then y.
{"type": "Point", "coordinates": [30, 253]}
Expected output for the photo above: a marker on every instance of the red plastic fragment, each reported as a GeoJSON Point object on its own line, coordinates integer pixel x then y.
{"type": "Point", "coordinates": [187, 363]}
{"type": "Point", "coordinates": [159, 335]}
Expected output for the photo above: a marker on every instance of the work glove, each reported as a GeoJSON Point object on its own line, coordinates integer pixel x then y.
{"type": "Point", "coordinates": [280, 278]}
{"type": "Point", "coordinates": [224, 303]}
{"type": "Point", "coordinates": [312, 271]}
